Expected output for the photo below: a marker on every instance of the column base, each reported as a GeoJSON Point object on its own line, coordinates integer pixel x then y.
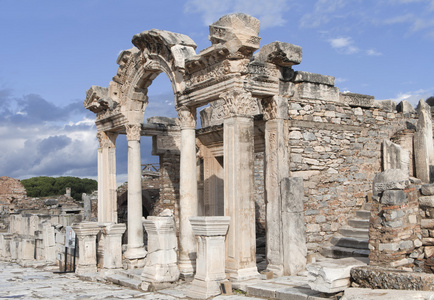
{"type": "Point", "coordinates": [277, 269]}
{"type": "Point", "coordinates": [187, 270]}
{"type": "Point", "coordinates": [135, 257]}
{"type": "Point", "coordinates": [160, 273]}
{"type": "Point", "coordinates": [200, 289]}
{"type": "Point", "coordinates": [243, 274]}
{"type": "Point", "coordinates": [86, 270]}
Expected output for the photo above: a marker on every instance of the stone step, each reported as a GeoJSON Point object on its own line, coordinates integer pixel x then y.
{"type": "Point", "coordinates": [350, 242]}
{"type": "Point", "coordinates": [354, 232]}
{"type": "Point", "coordinates": [358, 223]}
{"type": "Point", "coordinates": [340, 252]}
{"type": "Point", "coordinates": [124, 281]}
{"type": "Point", "coordinates": [363, 214]}
{"type": "Point", "coordinates": [367, 206]}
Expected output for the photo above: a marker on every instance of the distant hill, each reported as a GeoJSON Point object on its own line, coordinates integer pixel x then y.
{"type": "Point", "coordinates": [44, 186]}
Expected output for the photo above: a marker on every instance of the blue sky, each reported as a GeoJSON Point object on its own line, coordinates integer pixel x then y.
{"type": "Point", "coordinates": [51, 52]}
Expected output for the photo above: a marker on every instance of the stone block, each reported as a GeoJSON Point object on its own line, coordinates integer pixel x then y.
{"type": "Point", "coordinates": [302, 76]}
{"type": "Point", "coordinates": [427, 223]}
{"type": "Point", "coordinates": [393, 197]}
{"type": "Point", "coordinates": [405, 107]}
{"type": "Point", "coordinates": [386, 105]}
{"type": "Point", "coordinates": [426, 201]}
{"type": "Point", "coordinates": [357, 100]}
{"type": "Point", "coordinates": [332, 276]}
{"type": "Point", "coordinates": [427, 189]}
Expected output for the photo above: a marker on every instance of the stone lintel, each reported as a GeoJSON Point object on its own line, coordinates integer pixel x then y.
{"type": "Point", "coordinates": [357, 100]}
{"type": "Point", "coordinates": [302, 76]}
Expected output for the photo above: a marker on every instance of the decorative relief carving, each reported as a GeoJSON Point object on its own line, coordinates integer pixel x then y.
{"type": "Point", "coordinates": [269, 108]}
{"type": "Point", "coordinates": [238, 103]}
{"type": "Point", "coordinates": [106, 139]}
{"type": "Point", "coordinates": [133, 132]}
{"type": "Point", "coordinates": [211, 72]}
{"type": "Point", "coordinates": [187, 117]}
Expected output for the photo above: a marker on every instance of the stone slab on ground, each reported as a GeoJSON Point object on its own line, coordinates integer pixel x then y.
{"type": "Point", "coordinates": [287, 287]}
{"type": "Point", "coordinates": [333, 275]}
{"type": "Point", "coordinates": [363, 294]}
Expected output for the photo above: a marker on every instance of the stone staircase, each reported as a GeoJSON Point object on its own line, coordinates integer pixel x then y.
{"type": "Point", "coordinates": [352, 240]}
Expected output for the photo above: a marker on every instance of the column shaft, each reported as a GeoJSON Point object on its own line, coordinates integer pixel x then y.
{"type": "Point", "coordinates": [276, 169]}
{"type": "Point", "coordinates": [238, 197]}
{"type": "Point", "coordinates": [188, 205]}
{"type": "Point", "coordinates": [135, 249]}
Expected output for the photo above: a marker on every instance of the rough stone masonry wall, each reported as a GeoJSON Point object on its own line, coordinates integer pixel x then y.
{"type": "Point", "coordinates": [169, 185]}
{"type": "Point", "coordinates": [426, 205]}
{"type": "Point", "coordinates": [336, 148]}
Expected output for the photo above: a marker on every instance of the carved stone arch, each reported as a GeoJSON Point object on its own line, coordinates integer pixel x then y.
{"type": "Point", "coordinates": [156, 51]}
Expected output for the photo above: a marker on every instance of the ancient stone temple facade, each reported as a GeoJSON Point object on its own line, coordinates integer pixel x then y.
{"type": "Point", "coordinates": [321, 148]}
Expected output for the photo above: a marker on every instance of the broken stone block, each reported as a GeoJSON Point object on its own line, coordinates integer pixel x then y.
{"type": "Point", "coordinates": [161, 261]}
{"type": "Point", "coordinates": [405, 107]}
{"type": "Point", "coordinates": [392, 179]}
{"type": "Point", "coordinates": [332, 276]}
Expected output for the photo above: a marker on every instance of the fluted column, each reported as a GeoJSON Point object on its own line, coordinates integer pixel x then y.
{"type": "Point", "coordinates": [238, 147]}
{"type": "Point", "coordinates": [188, 201]}
{"type": "Point", "coordinates": [107, 197]}
{"type": "Point", "coordinates": [135, 249]}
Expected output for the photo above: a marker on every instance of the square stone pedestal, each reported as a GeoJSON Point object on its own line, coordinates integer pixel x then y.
{"type": "Point", "coordinates": [210, 264]}
{"type": "Point", "coordinates": [86, 234]}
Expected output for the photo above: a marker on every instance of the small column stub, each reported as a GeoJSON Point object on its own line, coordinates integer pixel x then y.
{"type": "Point", "coordinates": [86, 234]}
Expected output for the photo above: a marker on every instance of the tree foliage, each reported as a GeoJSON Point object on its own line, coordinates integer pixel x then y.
{"type": "Point", "coordinates": [54, 186]}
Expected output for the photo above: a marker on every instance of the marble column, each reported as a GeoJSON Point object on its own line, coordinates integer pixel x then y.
{"type": "Point", "coordinates": [86, 235]}
{"type": "Point", "coordinates": [210, 233]}
{"type": "Point", "coordinates": [188, 199]}
{"type": "Point", "coordinates": [107, 196]}
{"type": "Point", "coordinates": [238, 149]}
{"type": "Point", "coordinates": [112, 245]}
{"type": "Point", "coordinates": [276, 168]}
{"type": "Point", "coordinates": [161, 262]}
{"type": "Point", "coordinates": [213, 183]}
{"type": "Point", "coordinates": [136, 252]}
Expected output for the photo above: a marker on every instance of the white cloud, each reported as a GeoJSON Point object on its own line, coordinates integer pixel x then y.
{"type": "Point", "coordinates": [322, 14]}
{"type": "Point", "coordinates": [343, 45]}
{"type": "Point", "coordinates": [270, 12]}
{"type": "Point", "coordinates": [413, 96]}
{"type": "Point", "coordinates": [372, 52]}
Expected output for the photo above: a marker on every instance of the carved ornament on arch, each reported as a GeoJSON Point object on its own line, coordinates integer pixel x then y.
{"type": "Point", "coordinates": [238, 102]}
{"type": "Point", "coordinates": [187, 117]}
{"type": "Point", "coordinates": [133, 132]}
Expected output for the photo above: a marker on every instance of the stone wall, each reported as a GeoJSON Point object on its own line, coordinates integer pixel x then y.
{"type": "Point", "coordinates": [169, 185]}
{"type": "Point", "coordinates": [336, 148]}
{"type": "Point", "coordinates": [259, 194]}
{"type": "Point", "coordinates": [426, 205]}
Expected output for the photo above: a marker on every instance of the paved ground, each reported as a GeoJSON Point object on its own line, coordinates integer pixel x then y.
{"type": "Point", "coordinates": [17, 282]}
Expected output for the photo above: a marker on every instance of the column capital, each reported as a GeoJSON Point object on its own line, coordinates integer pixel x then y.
{"type": "Point", "coordinates": [133, 131]}
{"type": "Point", "coordinates": [274, 108]}
{"type": "Point", "coordinates": [107, 139]}
{"type": "Point", "coordinates": [238, 102]}
{"type": "Point", "coordinates": [187, 117]}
